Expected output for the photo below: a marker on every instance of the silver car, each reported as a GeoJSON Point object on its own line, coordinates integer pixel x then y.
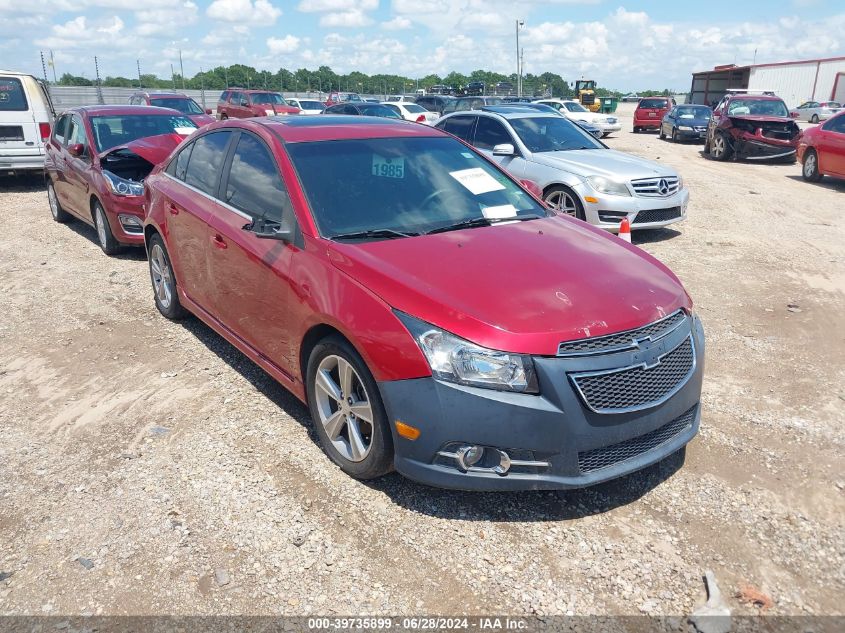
{"type": "Point", "coordinates": [577, 173]}
{"type": "Point", "coordinates": [815, 111]}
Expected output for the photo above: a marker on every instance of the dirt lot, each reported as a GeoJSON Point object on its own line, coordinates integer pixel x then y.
{"type": "Point", "coordinates": [147, 467]}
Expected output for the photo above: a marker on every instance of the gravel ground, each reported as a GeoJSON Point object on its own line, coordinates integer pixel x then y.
{"type": "Point", "coordinates": [147, 467]}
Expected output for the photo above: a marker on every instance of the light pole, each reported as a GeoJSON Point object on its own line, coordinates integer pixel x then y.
{"type": "Point", "coordinates": [519, 25]}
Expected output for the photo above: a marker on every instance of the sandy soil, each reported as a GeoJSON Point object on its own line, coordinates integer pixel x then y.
{"type": "Point", "coordinates": [147, 467]}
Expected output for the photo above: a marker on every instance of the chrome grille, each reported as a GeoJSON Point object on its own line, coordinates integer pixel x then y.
{"type": "Point", "coordinates": [606, 456]}
{"type": "Point", "coordinates": [637, 387]}
{"type": "Point", "coordinates": [659, 187]}
{"type": "Point", "coordinates": [622, 340]}
{"type": "Point", "coordinates": [657, 215]}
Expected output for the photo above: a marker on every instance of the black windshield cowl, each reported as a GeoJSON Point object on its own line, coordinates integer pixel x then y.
{"type": "Point", "coordinates": [473, 222]}
{"type": "Point", "coordinates": [385, 234]}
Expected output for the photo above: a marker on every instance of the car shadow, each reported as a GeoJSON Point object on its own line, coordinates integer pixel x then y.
{"type": "Point", "coordinates": [653, 236]}
{"type": "Point", "coordinates": [132, 253]}
{"type": "Point", "coordinates": [23, 183]}
{"type": "Point", "coordinates": [828, 182]}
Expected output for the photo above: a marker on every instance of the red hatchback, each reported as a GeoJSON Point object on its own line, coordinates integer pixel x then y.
{"type": "Point", "coordinates": [237, 103]}
{"type": "Point", "coordinates": [822, 149]}
{"type": "Point", "coordinates": [650, 112]}
{"type": "Point", "coordinates": [434, 316]}
{"type": "Point", "coordinates": [96, 161]}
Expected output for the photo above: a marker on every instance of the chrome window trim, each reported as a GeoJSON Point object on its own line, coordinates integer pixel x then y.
{"type": "Point", "coordinates": [624, 346]}
{"type": "Point", "coordinates": [210, 197]}
{"type": "Point", "coordinates": [648, 405]}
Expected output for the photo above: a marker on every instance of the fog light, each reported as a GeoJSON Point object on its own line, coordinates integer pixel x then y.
{"type": "Point", "coordinates": [504, 464]}
{"type": "Point", "coordinates": [130, 223]}
{"type": "Point", "coordinates": [469, 456]}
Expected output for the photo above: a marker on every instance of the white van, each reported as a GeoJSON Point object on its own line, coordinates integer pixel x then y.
{"type": "Point", "coordinates": [26, 117]}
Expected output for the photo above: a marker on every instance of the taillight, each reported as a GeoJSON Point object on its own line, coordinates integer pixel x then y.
{"type": "Point", "coordinates": [421, 118]}
{"type": "Point", "coordinates": [44, 129]}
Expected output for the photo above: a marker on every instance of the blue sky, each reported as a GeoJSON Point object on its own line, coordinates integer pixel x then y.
{"type": "Point", "coordinates": [626, 45]}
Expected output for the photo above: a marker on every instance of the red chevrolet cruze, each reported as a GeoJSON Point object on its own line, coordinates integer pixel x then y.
{"type": "Point", "coordinates": [434, 316]}
{"type": "Point", "coordinates": [96, 161]}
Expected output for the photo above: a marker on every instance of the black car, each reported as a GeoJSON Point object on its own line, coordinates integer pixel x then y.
{"type": "Point", "coordinates": [504, 87]}
{"type": "Point", "coordinates": [474, 88]}
{"type": "Point", "coordinates": [686, 123]}
{"type": "Point", "coordinates": [434, 103]}
{"type": "Point", "coordinates": [363, 108]}
{"type": "Point", "coordinates": [470, 103]}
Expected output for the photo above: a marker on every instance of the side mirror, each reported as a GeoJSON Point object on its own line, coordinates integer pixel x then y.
{"type": "Point", "coordinates": [269, 230]}
{"type": "Point", "coordinates": [208, 110]}
{"type": "Point", "coordinates": [505, 149]}
{"type": "Point", "coordinates": [77, 149]}
{"type": "Point", "coordinates": [794, 115]}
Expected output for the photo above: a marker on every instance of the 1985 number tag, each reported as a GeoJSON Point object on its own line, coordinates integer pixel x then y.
{"type": "Point", "coordinates": [388, 167]}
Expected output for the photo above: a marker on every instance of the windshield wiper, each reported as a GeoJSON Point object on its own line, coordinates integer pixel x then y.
{"type": "Point", "coordinates": [383, 233]}
{"type": "Point", "coordinates": [481, 221]}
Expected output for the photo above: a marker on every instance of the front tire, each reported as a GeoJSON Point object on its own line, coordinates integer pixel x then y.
{"type": "Point", "coordinates": [105, 237]}
{"type": "Point", "coordinates": [164, 281]}
{"type": "Point", "coordinates": [719, 148]}
{"type": "Point", "coordinates": [661, 135]}
{"type": "Point", "coordinates": [815, 119]}
{"type": "Point", "coordinates": [59, 215]}
{"type": "Point", "coordinates": [810, 169]}
{"type": "Point", "coordinates": [564, 200]}
{"type": "Point", "coordinates": [674, 135]}
{"type": "Point", "coordinates": [347, 411]}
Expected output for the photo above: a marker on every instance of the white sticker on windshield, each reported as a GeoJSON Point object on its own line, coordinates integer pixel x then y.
{"type": "Point", "coordinates": [499, 212]}
{"type": "Point", "coordinates": [476, 180]}
{"type": "Point", "coordinates": [467, 155]}
{"type": "Point", "coordinates": [388, 167]}
{"type": "Point", "coordinates": [184, 131]}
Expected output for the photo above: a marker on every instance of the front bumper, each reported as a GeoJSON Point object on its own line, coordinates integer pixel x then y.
{"type": "Point", "coordinates": [691, 135]}
{"type": "Point", "coordinates": [554, 428]}
{"type": "Point", "coordinates": [608, 212]}
{"type": "Point", "coordinates": [607, 128]}
{"type": "Point", "coordinates": [118, 211]}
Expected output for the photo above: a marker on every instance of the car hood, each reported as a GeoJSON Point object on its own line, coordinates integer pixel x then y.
{"type": "Point", "coordinates": [521, 287]}
{"type": "Point", "coordinates": [761, 118]}
{"type": "Point", "coordinates": [201, 119]}
{"type": "Point", "coordinates": [602, 162]}
{"type": "Point", "coordinates": [153, 149]}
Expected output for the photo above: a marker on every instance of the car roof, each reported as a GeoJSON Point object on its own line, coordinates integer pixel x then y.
{"type": "Point", "coordinates": [745, 95]}
{"type": "Point", "coordinates": [122, 110]}
{"type": "Point", "coordinates": [328, 127]}
{"type": "Point", "coordinates": [165, 95]}
{"type": "Point", "coordinates": [514, 112]}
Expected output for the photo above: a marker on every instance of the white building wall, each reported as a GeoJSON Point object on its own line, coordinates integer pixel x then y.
{"type": "Point", "coordinates": [794, 82]}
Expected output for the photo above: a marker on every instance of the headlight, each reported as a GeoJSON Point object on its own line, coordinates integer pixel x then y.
{"type": "Point", "coordinates": [608, 186]}
{"type": "Point", "coordinates": [122, 187]}
{"type": "Point", "coordinates": [455, 360]}
{"type": "Point", "coordinates": [680, 182]}
{"type": "Point", "coordinates": [685, 128]}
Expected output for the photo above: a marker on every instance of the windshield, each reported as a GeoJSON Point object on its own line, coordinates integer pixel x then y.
{"type": "Point", "coordinates": [758, 107]}
{"type": "Point", "coordinates": [311, 105]}
{"type": "Point", "coordinates": [414, 108]}
{"type": "Point", "coordinates": [266, 98]}
{"type": "Point", "coordinates": [184, 105]}
{"type": "Point", "coordinates": [111, 131]}
{"type": "Point", "coordinates": [376, 109]}
{"type": "Point", "coordinates": [693, 112]}
{"type": "Point", "coordinates": [575, 107]}
{"type": "Point", "coordinates": [552, 134]}
{"type": "Point", "coordinates": [411, 185]}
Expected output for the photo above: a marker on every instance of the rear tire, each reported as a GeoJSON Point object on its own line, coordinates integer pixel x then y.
{"type": "Point", "coordinates": [810, 170]}
{"type": "Point", "coordinates": [660, 134]}
{"type": "Point", "coordinates": [105, 237]}
{"type": "Point", "coordinates": [815, 119]}
{"type": "Point", "coordinates": [719, 147]}
{"type": "Point", "coordinates": [636, 129]}
{"type": "Point", "coordinates": [342, 393]}
{"type": "Point", "coordinates": [164, 281]}
{"type": "Point", "coordinates": [59, 215]}
{"type": "Point", "coordinates": [223, 117]}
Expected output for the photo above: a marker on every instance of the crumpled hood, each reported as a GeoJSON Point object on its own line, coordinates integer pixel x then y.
{"type": "Point", "coordinates": [520, 287]}
{"type": "Point", "coordinates": [761, 119]}
{"type": "Point", "coordinates": [602, 162]}
{"type": "Point", "coordinates": [153, 149]}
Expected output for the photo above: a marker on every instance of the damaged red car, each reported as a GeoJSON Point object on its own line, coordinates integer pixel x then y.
{"type": "Point", "coordinates": [752, 127]}
{"type": "Point", "coordinates": [96, 161]}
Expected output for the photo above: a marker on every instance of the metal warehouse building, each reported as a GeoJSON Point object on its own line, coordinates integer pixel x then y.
{"type": "Point", "coordinates": [794, 82]}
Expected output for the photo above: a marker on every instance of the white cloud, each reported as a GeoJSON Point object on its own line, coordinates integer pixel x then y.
{"type": "Point", "coordinates": [315, 6]}
{"type": "Point", "coordinates": [346, 19]}
{"type": "Point", "coordinates": [260, 12]}
{"type": "Point", "coordinates": [287, 44]}
{"type": "Point", "coordinates": [166, 21]}
{"type": "Point", "coordinates": [396, 24]}
{"type": "Point", "coordinates": [79, 33]}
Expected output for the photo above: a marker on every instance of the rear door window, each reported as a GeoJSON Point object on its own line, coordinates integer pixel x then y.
{"type": "Point", "coordinates": [12, 96]}
{"type": "Point", "coordinates": [654, 103]}
{"type": "Point", "coordinates": [254, 185]}
{"type": "Point", "coordinates": [460, 126]}
{"type": "Point", "coordinates": [206, 162]}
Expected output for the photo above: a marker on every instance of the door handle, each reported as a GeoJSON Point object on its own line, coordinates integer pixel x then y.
{"type": "Point", "coordinates": [172, 208]}
{"type": "Point", "coordinates": [218, 241]}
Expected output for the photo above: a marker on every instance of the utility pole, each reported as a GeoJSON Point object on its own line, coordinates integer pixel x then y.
{"type": "Point", "coordinates": [181, 69]}
{"type": "Point", "coordinates": [519, 25]}
{"type": "Point", "coordinates": [53, 64]}
{"type": "Point", "coordinates": [140, 81]}
{"type": "Point", "coordinates": [173, 76]}
{"type": "Point", "coordinates": [44, 67]}
{"type": "Point", "coordinates": [100, 99]}
{"type": "Point", "coordinates": [202, 87]}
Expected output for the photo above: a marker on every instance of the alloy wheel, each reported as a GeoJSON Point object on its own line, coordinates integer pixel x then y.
{"type": "Point", "coordinates": [344, 408]}
{"type": "Point", "coordinates": [54, 203]}
{"type": "Point", "coordinates": [810, 165]}
{"type": "Point", "coordinates": [562, 202]}
{"type": "Point", "coordinates": [718, 147]}
{"type": "Point", "coordinates": [100, 221]}
{"type": "Point", "coordinates": [162, 276]}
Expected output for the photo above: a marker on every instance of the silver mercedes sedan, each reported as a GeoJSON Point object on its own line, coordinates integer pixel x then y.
{"type": "Point", "coordinates": [577, 174]}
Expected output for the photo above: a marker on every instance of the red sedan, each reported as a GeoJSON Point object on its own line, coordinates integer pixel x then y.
{"type": "Point", "coordinates": [96, 161]}
{"type": "Point", "coordinates": [822, 150]}
{"type": "Point", "coordinates": [433, 315]}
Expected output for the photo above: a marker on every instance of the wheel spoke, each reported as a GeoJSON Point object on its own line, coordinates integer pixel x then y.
{"type": "Point", "coordinates": [334, 424]}
{"type": "Point", "coordinates": [327, 385]}
{"type": "Point", "coordinates": [362, 410]}
{"type": "Point", "coordinates": [345, 373]}
{"type": "Point", "coordinates": [356, 442]}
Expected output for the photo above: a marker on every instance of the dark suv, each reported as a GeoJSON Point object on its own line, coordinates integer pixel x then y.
{"type": "Point", "coordinates": [176, 101]}
{"type": "Point", "coordinates": [237, 103]}
{"type": "Point", "coordinates": [434, 103]}
{"type": "Point", "coordinates": [474, 88]}
{"type": "Point", "coordinates": [470, 103]}
{"type": "Point", "coordinates": [755, 127]}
